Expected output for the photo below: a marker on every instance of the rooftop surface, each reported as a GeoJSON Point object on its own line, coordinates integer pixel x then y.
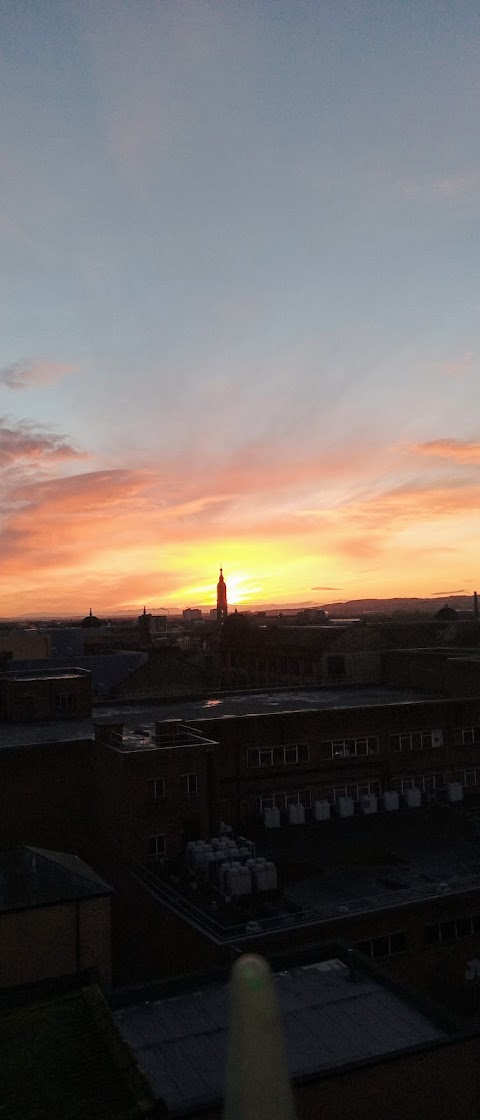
{"type": "Point", "coordinates": [333, 869]}
{"type": "Point", "coordinates": [36, 877]}
{"type": "Point", "coordinates": [329, 1022]}
{"type": "Point", "coordinates": [216, 707]}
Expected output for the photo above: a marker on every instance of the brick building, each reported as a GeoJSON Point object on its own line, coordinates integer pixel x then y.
{"type": "Point", "coordinates": [45, 694]}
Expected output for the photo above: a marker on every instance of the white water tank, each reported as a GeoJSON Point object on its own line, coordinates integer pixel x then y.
{"type": "Point", "coordinates": [390, 800]}
{"type": "Point", "coordinates": [296, 814]}
{"type": "Point", "coordinates": [454, 791]}
{"type": "Point", "coordinates": [264, 875]}
{"type": "Point", "coordinates": [321, 810]}
{"type": "Point", "coordinates": [271, 818]}
{"type": "Point", "coordinates": [345, 806]}
{"type": "Point", "coordinates": [412, 798]}
{"type": "Point", "coordinates": [368, 804]}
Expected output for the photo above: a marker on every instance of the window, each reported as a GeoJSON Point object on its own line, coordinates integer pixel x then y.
{"type": "Point", "coordinates": [156, 847]}
{"type": "Point", "coordinates": [278, 756]}
{"type": "Point", "coordinates": [155, 789]}
{"type": "Point", "coordinates": [386, 946]}
{"type": "Point", "coordinates": [283, 799]}
{"type": "Point", "coordinates": [355, 791]}
{"type": "Point", "coordinates": [466, 736]}
{"type": "Point", "coordinates": [416, 740]}
{"type": "Point", "coordinates": [351, 748]}
{"type": "Point", "coordinates": [189, 785]}
{"type": "Point", "coordinates": [64, 702]}
{"type": "Point", "coordinates": [443, 933]}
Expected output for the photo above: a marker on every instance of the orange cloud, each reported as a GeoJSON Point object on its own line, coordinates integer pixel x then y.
{"type": "Point", "coordinates": [461, 450]}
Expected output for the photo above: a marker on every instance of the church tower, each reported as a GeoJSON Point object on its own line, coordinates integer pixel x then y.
{"type": "Point", "coordinates": [222, 609]}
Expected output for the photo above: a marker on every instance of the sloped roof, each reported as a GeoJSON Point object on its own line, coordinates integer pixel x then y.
{"type": "Point", "coordinates": [62, 1058]}
{"type": "Point", "coordinates": [31, 877]}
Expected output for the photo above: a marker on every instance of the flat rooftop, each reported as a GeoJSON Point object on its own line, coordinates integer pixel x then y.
{"type": "Point", "coordinates": [329, 1022]}
{"type": "Point", "coordinates": [215, 707]}
{"type": "Point", "coordinates": [334, 869]}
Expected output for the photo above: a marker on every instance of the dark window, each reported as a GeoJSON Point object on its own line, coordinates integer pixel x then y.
{"type": "Point", "coordinates": [303, 753]}
{"type": "Point", "coordinates": [431, 935]}
{"type": "Point", "coordinates": [64, 702]}
{"type": "Point", "coordinates": [266, 757]}
{"type": "Point", "coordinates": [156, 846]}
{"type": "Point", "coordinates": [364, 947]}
{"type": "Point", "coordinates": [464, 927]}
{"type": "Point", "coordinates": [290, 755]}
{"type": "Point", "coordinates": [380, 947]}
{"type": "Point", "coordinates": [189, 785]}
{"type": "Point", "coordinates": [398, 942]}
{"type": "Point", "coordinates": [155, 788]}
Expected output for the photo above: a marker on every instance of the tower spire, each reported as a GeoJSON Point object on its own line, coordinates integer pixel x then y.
{"type": "Point", "coordinates": [222, 608]}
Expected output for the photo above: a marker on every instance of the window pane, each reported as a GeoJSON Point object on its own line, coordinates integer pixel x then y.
{"type": "Point", "coordinates": [373, 745]}
{"type": "Point", "coordinates": [447, 931]}
{"type": "Point", "coordinates": [381, 947]}
{"type": "Point", "coordinates": [364, 947]}
{"type": "Point", "coordinates": [303, 753]}
{"type": "Point", "coordinates": [266, 758]}
{"type": "Point", "coordinates": [290, 755]}
{"type": "Point", "coordinates": [431, 935]}
{"type": "Point", "coordinates": [398, 942]}
{"type": "Point", "coordinates": [361, 746]}
{"type": "Point", "coordinates": [464, 927]}
{"type": "Point", "coordinates": [418, 741]}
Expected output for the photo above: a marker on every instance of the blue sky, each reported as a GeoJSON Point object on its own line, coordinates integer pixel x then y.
{"type": "Point", "coordinates": [240, 300]}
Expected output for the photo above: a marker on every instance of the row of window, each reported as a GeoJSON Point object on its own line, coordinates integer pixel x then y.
{"type": "Point", "coordinates": [156, 787]}
{"type": "Point", "coordinates": [468, 777]}
{"type": "Point", "coordinates": [349, 748]}
{"type": "Point", "coordinates": [278, 756]}
{"type": "Point", "coordinates": [416, 740]}
{"type": "Point", "coordinates": [442, 933]}
{"type": "Point", "coordinates": [427, 783]}
{"type": "Point", "coordinates": [386, 946]}
{"type": "Point", "coordinates": [358, 747]}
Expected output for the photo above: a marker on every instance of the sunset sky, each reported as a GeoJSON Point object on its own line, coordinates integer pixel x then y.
{"type": "Point", "coordinates": [240, 313]}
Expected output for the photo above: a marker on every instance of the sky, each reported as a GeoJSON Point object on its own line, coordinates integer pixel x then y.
{"type": "Point", "coordinates": [240, 302]}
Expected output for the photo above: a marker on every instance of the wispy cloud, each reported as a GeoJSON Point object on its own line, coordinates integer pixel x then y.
{"type": "Point", "coordinates": [459, 366]}
{"type": "Point", "coordinates": [325, 589]}
{"type": "Point", "coordinates": [460, 450]}
{"type": "Point", "coordinates": [446, 594]}
{"type": "Point", "coordinates": [25, 374]}
{"type": "Point", "coordinates": [22, 442]}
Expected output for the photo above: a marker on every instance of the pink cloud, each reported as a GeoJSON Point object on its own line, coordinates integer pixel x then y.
{"type": "Point", "coordinates": [24, 375]}
{"type": "Point", "coordinates": [22, 442]}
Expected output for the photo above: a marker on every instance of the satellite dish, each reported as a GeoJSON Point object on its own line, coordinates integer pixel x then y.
{"type": "Point", "coordinates": [472, 971]}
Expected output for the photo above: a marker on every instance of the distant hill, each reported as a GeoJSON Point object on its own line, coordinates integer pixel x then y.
{"type": "Point", "coordinates": [355, 607]}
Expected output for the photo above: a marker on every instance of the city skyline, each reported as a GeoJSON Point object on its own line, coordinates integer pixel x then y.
{"type": "Point", "coordinates": [240, 303]}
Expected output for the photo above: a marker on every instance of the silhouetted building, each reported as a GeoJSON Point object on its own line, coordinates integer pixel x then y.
{"type": "Point", "coordinates": [90, 622]}
{"type": "Point", "coordinates": [222, 608]}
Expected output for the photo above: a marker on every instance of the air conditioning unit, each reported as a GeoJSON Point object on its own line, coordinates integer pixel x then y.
{"type": "Point", "coordinates": [321, 810]}
{"type": "Point", "coordinates": [368, 804]}
{"type": "Point", "coordinates": [437, 738]}
{"type": "Point", "coordinates": [345, 806]}
{"type": "Point", "coordinates": [390, 801]}
{"type": "Point", "coordinates": [412, 798]}
{"type": "Point", "coordinates": [454, 791]}
{"type": "Point", "coordinates": [271, 818]}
